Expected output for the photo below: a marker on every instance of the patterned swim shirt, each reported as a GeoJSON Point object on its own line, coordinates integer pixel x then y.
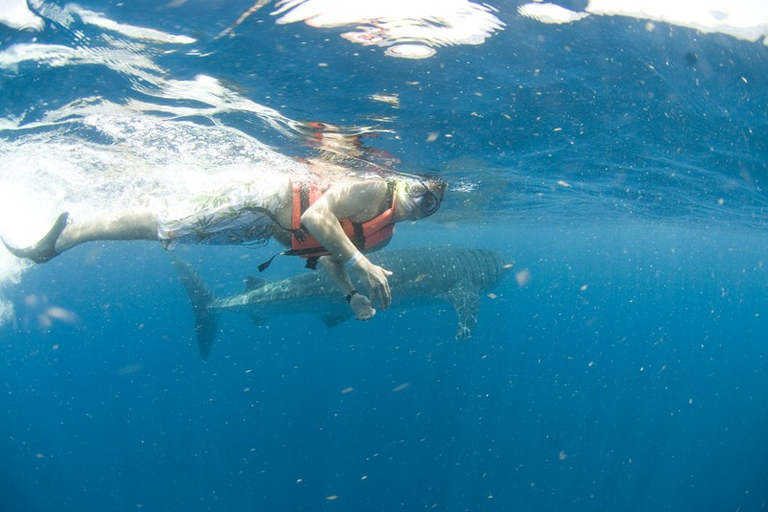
{"type": "Point", "coordinates": [222, 217]}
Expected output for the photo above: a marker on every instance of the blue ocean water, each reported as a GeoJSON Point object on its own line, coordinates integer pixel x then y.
{"type": "Point", "coordinates": [617, 162]}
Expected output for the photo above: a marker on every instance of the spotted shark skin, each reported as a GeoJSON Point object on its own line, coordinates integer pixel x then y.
{"type": "Point", "coordinates": [421, 276]}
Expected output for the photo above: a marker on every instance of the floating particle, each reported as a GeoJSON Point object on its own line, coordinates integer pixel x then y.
{"type": "Point", "coordinates": [128, 369]}
{"type": "Point", "coordinates": [392, 99]}
{"type": "Point", "coordinates": [44, 321]}
{"type": "Point", "coordinates": [61, 314]}
{"type": "Point", "coordinates": [523, 277]}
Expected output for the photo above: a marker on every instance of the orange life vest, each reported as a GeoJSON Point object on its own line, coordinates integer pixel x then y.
{"type": "Point", "coordinates": [367, 236]}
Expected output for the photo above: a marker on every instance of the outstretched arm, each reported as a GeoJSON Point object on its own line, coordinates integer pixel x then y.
{"type": "Point", "coordinates": [359, 202]}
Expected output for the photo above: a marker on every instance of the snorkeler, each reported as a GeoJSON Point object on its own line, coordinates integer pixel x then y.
{"type": "Point", "coordinates": [333, 225]}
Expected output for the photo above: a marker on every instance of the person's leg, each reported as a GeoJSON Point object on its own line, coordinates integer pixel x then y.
{"type": "Point", "coordinates": [123, 225]}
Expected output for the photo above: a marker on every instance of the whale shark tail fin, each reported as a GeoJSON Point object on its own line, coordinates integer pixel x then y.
{"type": "Point", "coordinates": [201, 297]}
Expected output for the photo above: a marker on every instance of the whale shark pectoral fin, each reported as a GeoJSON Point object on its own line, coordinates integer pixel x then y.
{"type": "Point", "coordinates": [466, 303]}
{"type": "Point", "coordinates": [334, 319]}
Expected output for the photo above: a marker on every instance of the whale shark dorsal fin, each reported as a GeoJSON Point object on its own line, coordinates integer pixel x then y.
{"type": "Point", "coordinates": [254, 283]}
{"type": "Point", "coordinates": [466, 303]}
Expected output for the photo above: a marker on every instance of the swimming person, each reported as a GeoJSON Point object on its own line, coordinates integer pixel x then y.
{"type": "Point", "coordinates": [341, 221]}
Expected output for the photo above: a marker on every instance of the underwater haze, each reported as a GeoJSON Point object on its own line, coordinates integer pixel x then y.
{"type": "Point", "coordinates": [613, 152]}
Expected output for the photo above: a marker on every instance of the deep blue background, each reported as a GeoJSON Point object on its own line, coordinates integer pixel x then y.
{"type": "Point", "coordinates": [649, 383]}
{"type": "Point", "coordinates": [629, 374]}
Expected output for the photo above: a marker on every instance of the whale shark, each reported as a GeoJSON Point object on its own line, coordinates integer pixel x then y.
{"type": "Point", "coordinates": [421, 276]}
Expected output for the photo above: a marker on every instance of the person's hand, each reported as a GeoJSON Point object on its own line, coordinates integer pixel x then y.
{"type": "Point", "coordinates": [361, 306]}
{"type": "Point", "coordinates": [374, 278]}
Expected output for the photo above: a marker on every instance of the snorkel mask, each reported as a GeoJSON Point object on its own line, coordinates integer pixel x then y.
{"type": "Point", "coordinates": [428, 195]}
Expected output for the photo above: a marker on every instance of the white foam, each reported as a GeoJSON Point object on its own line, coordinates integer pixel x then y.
{"type": "Point", "coordinates": [132, 31]}
{"type": "Point", "coordinates": [410, 51]}
{"type": "Point", "coordinates": [16, 14]}
{"type": "Point", "coordinates": [742, 19]}
{"type": "Point", "coordinates": [411, 29]}
{"type": "Point", "coordinates": [115, 55]}
{"type": "Point", "coordinates": [550, 13]}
